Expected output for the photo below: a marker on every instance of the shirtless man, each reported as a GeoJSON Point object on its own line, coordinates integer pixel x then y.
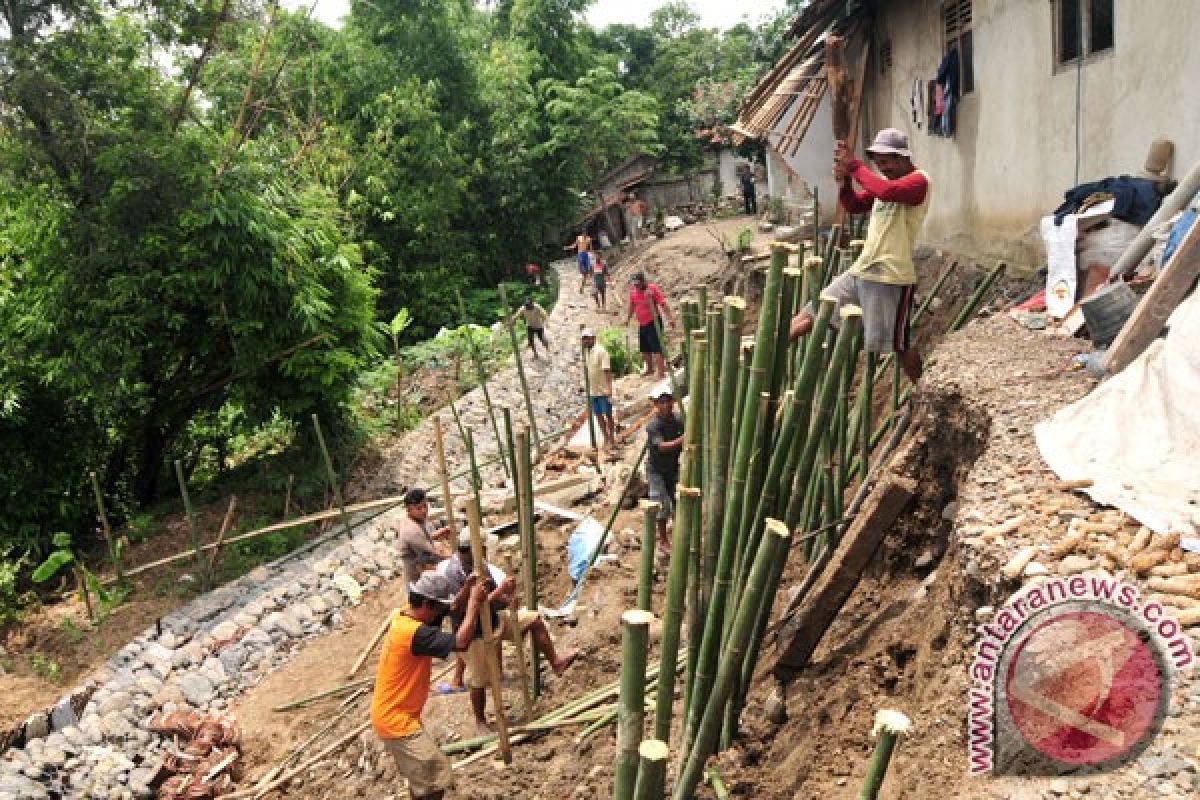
{"type": "Point", "coordinates": [583, 258]}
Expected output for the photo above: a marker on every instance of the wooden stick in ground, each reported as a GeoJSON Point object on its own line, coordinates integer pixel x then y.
{"type": "Point", "coordinates": [439, 445]}
{"type": "Point", "coordinates": [650, 511]}
{"type": "Point", "coordinates": [520, 361]}
{"type": "Point", "coordinates": [370, 648]}
{"type": "Point", "coordinates": [332, 474]}
{"type": "Point", "coordinates": [287, 497]}
{"type": "Point", "coordinates": [652, 770]}
{"type": "Point", "coordinates": [632, 701]}
{"type": "Point", "coordinates": [114, 547]}
{"type": "Point", "coordinates": [770, 552]}
{"type": "Point", "coordinates": [889, 726]}
{"type": "Point", "coordinates": [485, 623]}
{"type": "Point", "coordinates": [193, 533]}
{"type": "Point", "coordinates": [225, 523]}
{"type": "Point", "coordinates": [526, 525]}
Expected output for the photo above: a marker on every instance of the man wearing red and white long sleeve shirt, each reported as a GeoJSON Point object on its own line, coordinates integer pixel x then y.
{"type": "Point", "coordinates": [882, 280]}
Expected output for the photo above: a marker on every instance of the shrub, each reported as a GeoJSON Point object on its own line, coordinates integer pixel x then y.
{"type": "Point", "coordinates": [620, 353]}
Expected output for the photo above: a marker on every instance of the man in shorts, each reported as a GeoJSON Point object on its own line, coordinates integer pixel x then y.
{"type": "Point", "coordinates": [583, 258]}
{"type": "Point", "coordinates": [664, 435]}
{"type": "Point", "coordinates": [416, 535]}
{"type": "Point", "coordinates": [502, 595]}
{"type": "Point", "coordinates": [535, 323]}
{"type": "Point", "coordinates": [646, 300]}
{"type": "Point", "coordinates": [599, 281]}
{"type": "Point", "coordinates": [882, 280]}
{"type": "Point", "coordinates": [600, 385]}
{"type": "Point", "coordinates": [413, 640]}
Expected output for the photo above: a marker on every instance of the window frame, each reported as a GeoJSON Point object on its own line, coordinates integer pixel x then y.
{"type": "Point", "coordinates": [965, 87]}
{"type": "Point", "coordinates": [1086, 54]}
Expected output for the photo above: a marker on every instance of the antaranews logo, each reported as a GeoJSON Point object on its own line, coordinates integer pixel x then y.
{"type": "Point", "coordinates": [1071, 675]}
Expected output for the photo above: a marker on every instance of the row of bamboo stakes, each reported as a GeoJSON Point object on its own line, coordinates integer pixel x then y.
{"type": "Point", "coordinates": [776, 432]}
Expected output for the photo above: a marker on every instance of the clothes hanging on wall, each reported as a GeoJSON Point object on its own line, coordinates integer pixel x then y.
{"type": "Point", "coordinates": [947, 88]}
{"type": "Point", "coordinates": [916, 100]}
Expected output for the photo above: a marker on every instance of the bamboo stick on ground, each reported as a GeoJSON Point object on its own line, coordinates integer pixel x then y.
{"type": "Point", "coordinates": [312, 698]}
{"type": "Point", "coordinates": [631, 724]}
{"type": "Point", "coordinates": [771, 551]}
{"type": "Point", "coordinates": [977, 297]}
{"type": "Point", "coordinates": [650, 511]}
{"type": "Point", "coordinates": [652, 770]}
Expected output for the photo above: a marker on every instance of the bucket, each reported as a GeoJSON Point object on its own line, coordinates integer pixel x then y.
{"type": "Point", "coordinates": [1107, 310]}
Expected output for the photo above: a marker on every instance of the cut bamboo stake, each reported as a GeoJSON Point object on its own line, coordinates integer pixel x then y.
{"type": "Point", "coordinates": [485, 623]}
{"type": "Point", "coordinates": [632, 702]}
{"type": "Point", "coordinates": [673, 611]}
{"type": "Point", "coordinates": [193, 533]}
{"type": "Point", "coordinates": [773, 546]}
{"type": "Point", "coordinates": [727, 555]}
{"type": "Point", "coordinates": [333, 478]}
{"type": "Point", "coordinates": [527, 528]}
{"type": "Point", "coordinates": [114, 546]}
{"type": "Point", "coordinates": [439, 445]}
{"type": "Point", "coordinates": [225, 523]}
{"type": "Point", "coordinates": [652, 770]}
{"type": "Point", "coordinates": [977, 297]}
{"type": "Point", "coordinates": [520, 361]}
{"type": "Point", "coordinates": [312, 698]}
{"type": "Point", "coordinates": [650, 511]}
{"type": "Point", "coordinates": [370, 648]}
{"type": "Point", "coordinates": [691, 474]}
{"type": "Point", "coordinates": [889, 726]}
{"type": "Point", "coordinates": [718, 786]}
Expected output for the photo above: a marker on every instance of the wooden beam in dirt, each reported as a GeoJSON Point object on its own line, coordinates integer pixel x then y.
{"type": "Point", "coordinates": [854, 551]}
{"type": "Point", "coordinates": [1152, 311]}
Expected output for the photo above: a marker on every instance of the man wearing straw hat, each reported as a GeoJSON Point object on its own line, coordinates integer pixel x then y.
{"type": "Point", "coordinates": [413, 640]}
{"type": "Point", "coordinates": [883, 278]}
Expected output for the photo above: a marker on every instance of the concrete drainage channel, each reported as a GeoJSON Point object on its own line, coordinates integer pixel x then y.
{"type": "Point", "coordinates": [198, 658]}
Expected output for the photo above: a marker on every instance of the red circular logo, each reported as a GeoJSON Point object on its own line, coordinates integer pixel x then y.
{"type": "Point", "coordinates": [1084, 688]}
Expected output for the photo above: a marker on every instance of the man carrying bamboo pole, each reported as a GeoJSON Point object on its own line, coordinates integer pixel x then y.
{"type": "Point", "coordinates": [502, 594]}
{"type": "Point", "coordinates": [664, 434]}
{"type": "Point", "coordinates": [646, 300]}
{"type": "Point", "coordinates": [415, 536]}
{"type": "Point", "coordinates": [598, 364]}
{"type": "Point", "coordinates": [414, 639]}
{"type": "Point", "coordinates": [882, 280]}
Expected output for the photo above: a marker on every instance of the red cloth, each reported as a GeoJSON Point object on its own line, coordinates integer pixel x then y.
{"type": "Point", "coordinates": [1035, 303]}
{"type": "Point", "coordinates": [532, 269]}
{"type": "Point", "coordinates": [643, 303]}
{"type": "Point", "coordinates": [909, 190]}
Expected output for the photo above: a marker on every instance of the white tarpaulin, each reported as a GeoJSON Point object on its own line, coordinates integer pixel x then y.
{"type": "Point", "coordinates": [1137, 436]}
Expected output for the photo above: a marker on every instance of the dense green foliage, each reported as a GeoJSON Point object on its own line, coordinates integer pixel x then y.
{"type": "Point", "coordinates": [209, 212]}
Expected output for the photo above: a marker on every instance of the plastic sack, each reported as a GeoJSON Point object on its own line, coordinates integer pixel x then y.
{"type": "Point", "coordinates": [582, 542]}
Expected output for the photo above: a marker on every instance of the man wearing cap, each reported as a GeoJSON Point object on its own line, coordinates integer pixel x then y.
{"type": "Point", "coordinates": [535, 323]}
{"type": "Point", "coordinates": [645, 301]}
{"type": "Point", "coordinates": [882, 280]}
{"type": "Point", "coordinates": [416, 535]}
{"type": "Point", "coordinates": [502, 594]}
{"type": "Point", "coordinates": [413, 640]}
{"type": "Point", "coordinates": [599, 375]}
{"type": "Point", "coordinates": [664, 435]}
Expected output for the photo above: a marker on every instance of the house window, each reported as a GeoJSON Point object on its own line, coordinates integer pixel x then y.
{"type": "Point", "coordinates": [1082, 28]}
{"type": "Point", "coordinates": [956, 33]}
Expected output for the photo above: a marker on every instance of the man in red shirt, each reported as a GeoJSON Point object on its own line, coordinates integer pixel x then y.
{"type": "Point", "coordinates": [645, 301]}
{"type": "Point", "coordinates": [882, 280]}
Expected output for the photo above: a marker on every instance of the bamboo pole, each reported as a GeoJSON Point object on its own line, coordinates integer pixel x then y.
{"type": "Point", "coordinates": [631, 718]}
{"type": "Point", "coordinates": [487, 462]}
{"type": "Point", "coordinates": [650, 511]}
{"type": "Point", "coordinates": [193, 533]}
{"type": "Point", "coordinates": [114, 546]}
{"type": "Point", "coordinates": [673, 611]}
{"type": "Point", "coordinates": [652, 770]}
{"type": "Point", "coordinates": [439, 446]}
{"type": "Point", "coordinates": [792, 278]}
{"type": "Point", "coordinates": [612, 518]}
{"type": "Point", "coordinates": [485, 623]}
{"type": "Point", "coordinates": [481, 373]}
{"type": "Point", "coordinates": [520, 361]}
{"type": "Point", "coordinates": [718, 786]}
{"type": "Point", "coordinates": [225, 523]}
{"type": "Point", "coordinates": [727, 552]}
{"type": "Point", "coordinates": [384, 627]}
{"type": "Point", "coordinates": [977, 297]}
{"type": "Point", "coordinates": [771, 551]}
{"type": "Point", "coordinates": [287, 496]}
{"type": "Point", "coordinates": [889, 726]}
{"type": "Point", "coordinates": [345, 687]}
{"type": "Point", "coordinates": [865, 400]}
{"type": "Point", "coordinates": [333, 478]}
{"type": "Point", "coordinates": [526, 525]}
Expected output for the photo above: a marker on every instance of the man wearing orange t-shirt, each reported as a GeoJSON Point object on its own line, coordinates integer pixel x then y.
{"type": "Point", "coordinates": [414, 639]}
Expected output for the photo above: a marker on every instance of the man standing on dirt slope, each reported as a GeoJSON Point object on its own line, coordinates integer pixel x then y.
{"type": "Point", "coordinates": [502, 594]}
{"type": "Point", "coordinates": [413, 640]}
{"type": "Point", "coordinates": [664, 437]}
{"type": "Point", "coordinates": [415, 537]}
{"type": "Point", "coordinates": [637, 217]}
{"type": "Point", "coordinates": [600, 282]}
{"type": "Point", "coordinates": [599, 375]}
{"type": "Point", "coordinates": [583, 258]}
{"type": "Point", "coordinates": [749, 193]}
{"type": "Point", "coordinates": [535, 323]}
{"type": "Point", "coordinates": [882, 280]}
{"type": "Point", "coordinates": [645, 301]}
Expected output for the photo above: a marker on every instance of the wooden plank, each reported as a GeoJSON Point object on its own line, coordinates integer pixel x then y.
{"type": "Point", "coordinates": [1164, 296]}
{"type": "Point", "coordinates": [855, 550]}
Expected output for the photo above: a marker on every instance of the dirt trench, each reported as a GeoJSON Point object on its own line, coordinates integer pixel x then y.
{"type": "Point", "coordinates": [899, 643]}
